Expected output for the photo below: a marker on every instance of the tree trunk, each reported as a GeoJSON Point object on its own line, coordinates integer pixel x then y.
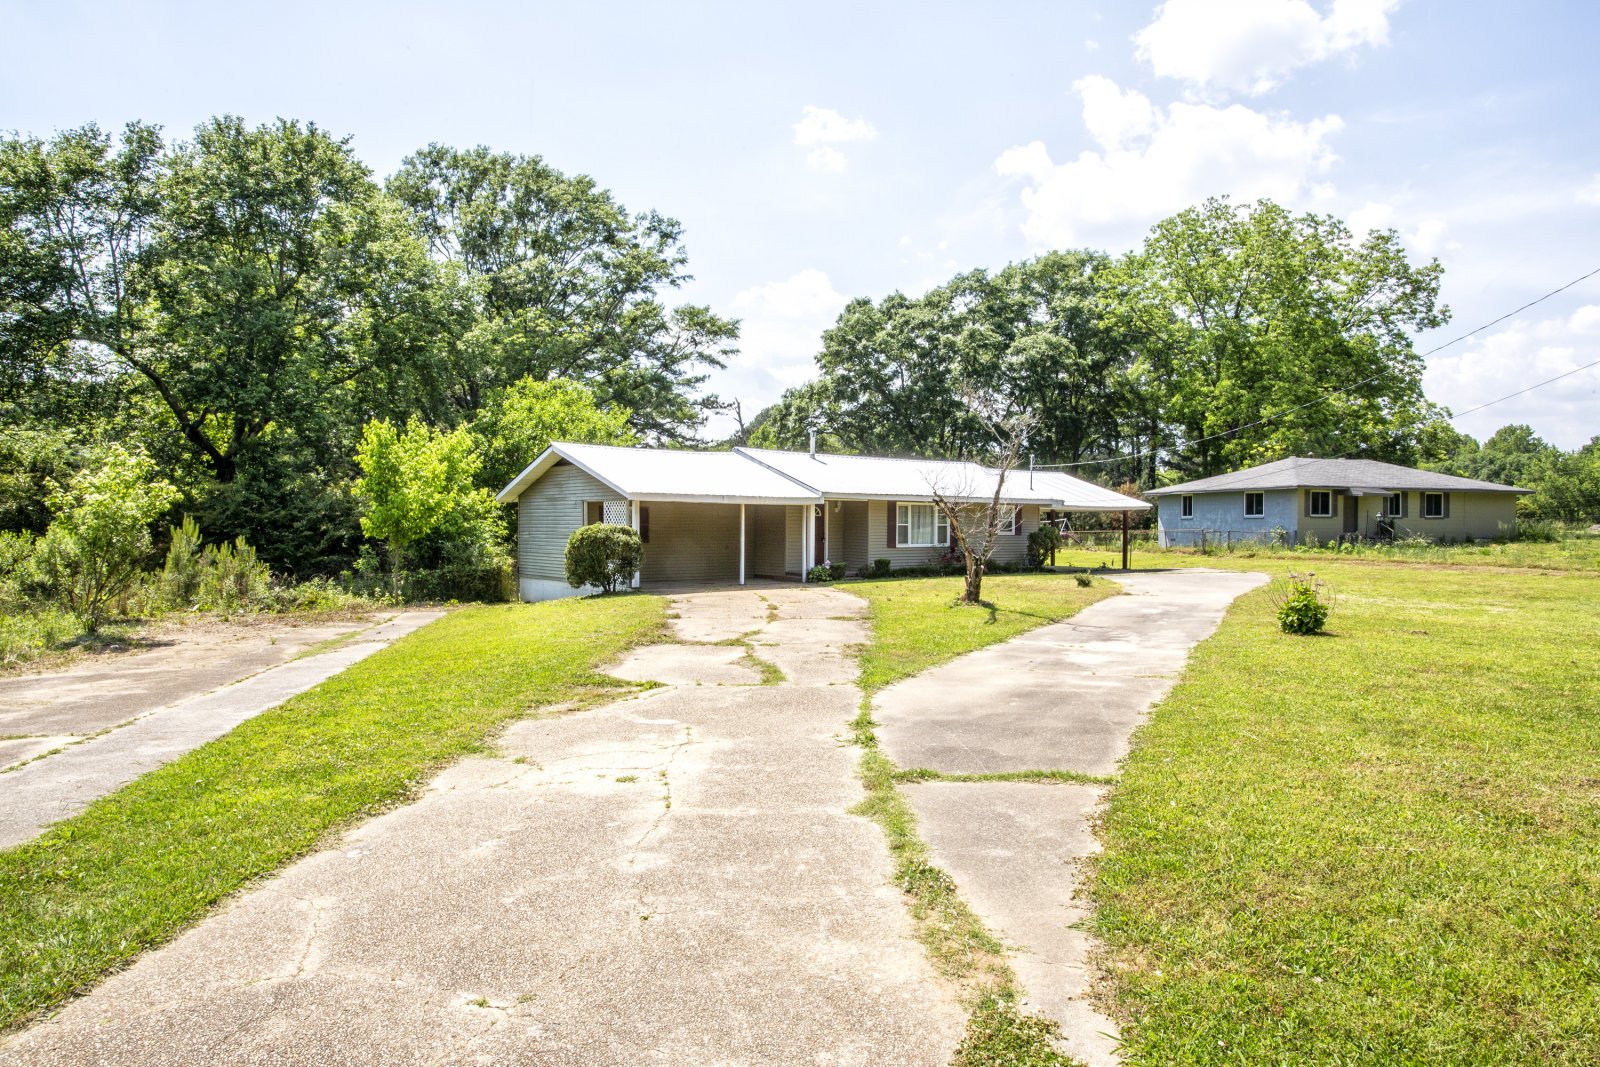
{"type": "Point", "coordinates": [972, 593]}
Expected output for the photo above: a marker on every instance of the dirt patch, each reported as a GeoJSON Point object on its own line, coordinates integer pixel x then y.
{"type": "Point", "coordinates": [167, 662]}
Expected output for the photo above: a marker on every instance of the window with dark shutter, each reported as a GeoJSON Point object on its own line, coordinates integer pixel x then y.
{"type": "Point", "coordinates": [893, 540]}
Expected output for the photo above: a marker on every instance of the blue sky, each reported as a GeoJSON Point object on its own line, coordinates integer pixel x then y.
{"type": "Point", "coordinates": [825, 151]}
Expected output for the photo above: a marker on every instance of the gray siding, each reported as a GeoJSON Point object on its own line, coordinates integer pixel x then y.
{"type": "Point", "coordinates": [547, 513]}
{"type": "Point", "coordinates": [794, 531]}
{"type": "Point", "coordinates": [692, 543]}
{"type": "Point", "coordinates": [848, 536]}
{"type": "Point", "coordinates": [1008, 548]}
{"type": "Point", "coordinates": [765, 540]}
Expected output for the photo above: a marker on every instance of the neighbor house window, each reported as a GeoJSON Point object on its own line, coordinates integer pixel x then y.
{"type": "Point", "coordinates": [920, 526]}
{"type": "Point", "coordinates": [1186, 506]}
{"type": "Point", "coordinates": [1321, 506]}
{"type": "Point", "coordinates": [1255, 505]}
{"type": "Point", "coordinates": [1396, 505]}
{"type": "Point", "coordinates": [1433, 505]}
{"type": "Point", "coordinates": [593, 511]}
{"type": "Point", "coordinates": [1009, 518]}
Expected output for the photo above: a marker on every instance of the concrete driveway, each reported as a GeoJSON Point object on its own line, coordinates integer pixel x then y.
{"type": "Point", "coordinates": [1063, 697]}
{"type": "Point", "coordinates": [670, 879]}
{"type": "Point", "coordinates": [118, 733]}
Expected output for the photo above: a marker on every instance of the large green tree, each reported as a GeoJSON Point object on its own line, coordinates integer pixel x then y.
{"type": "Point", "coordinates": [1247, 318]}
{"type": "Point", "coordinates": [567, 284]}
{"type": "Point", "coordinates": [255, 280]}
{"type": "Point", "coordinates": [1033, 335]}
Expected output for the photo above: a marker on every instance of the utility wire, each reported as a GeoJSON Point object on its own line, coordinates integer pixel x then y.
{"type": "Point", "coordinates": [1354, 385]}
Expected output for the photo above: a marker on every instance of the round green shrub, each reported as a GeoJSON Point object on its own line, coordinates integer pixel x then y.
{"type": "Point", "coordinates": [604, 555]}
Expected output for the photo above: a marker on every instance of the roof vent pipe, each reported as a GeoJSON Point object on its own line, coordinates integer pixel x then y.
{"type": "Point", "coordinates": [813, 444]}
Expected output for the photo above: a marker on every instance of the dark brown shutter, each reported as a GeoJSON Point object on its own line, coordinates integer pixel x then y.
{"type": "Point", "coordinates": [1308, 502]}
{"type": "Point", "coordinates": [894, 524]}
{"type": "Point", "coordinates": [1404, 505]}
{"type": "Point", "coordinates": [644, 525]}
{"type": "Point", "coordinates": [1333, 503]}
{"type": "Point", "coordinates": [1017, 528]}
{"type": "Point", "coordinates": [1446, 504]}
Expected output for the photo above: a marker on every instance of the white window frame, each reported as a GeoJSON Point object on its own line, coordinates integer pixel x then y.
{"type": "Point", "coordinates": [1311, 503]}
{"type": "Point", "coordinates": [902, 527]}
{"type": "Point", "coordinates": [1393, 506]}
{"type": "Point", "coordinates": [1262, 513]}
{"type": "Point", "coordinates": [1186, 506]}
{"type": "Point", "coordinates": [1009, 524]}
{"type": "Point", "coordinates": [1429, 513]}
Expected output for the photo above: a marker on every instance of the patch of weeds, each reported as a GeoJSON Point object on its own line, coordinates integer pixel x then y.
{"type": "Point", "coordinates": [479, 1002]}
{"type": "Point", "coordinates": [627, 777]}
{"type": "Point", "coordinates": [1037, 777]}
{"type": "Point", "coordinates": [770, 672]}
{"type": "Point", "coordinates": [999, 1032]}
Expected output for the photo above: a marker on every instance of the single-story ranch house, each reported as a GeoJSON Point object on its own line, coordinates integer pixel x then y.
{"type": "Point", "coordinates": [1330, 499]}
{"type": "Point", "coordinates": [719, 516]}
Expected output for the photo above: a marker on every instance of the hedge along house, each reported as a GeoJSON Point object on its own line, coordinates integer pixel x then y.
{"type": "Point", "coordinates": [1300, 499]}
{"type": "Point", "coordinates": [723, 517]}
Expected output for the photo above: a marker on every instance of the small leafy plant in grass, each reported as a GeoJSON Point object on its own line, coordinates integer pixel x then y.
{"type": "Point", "coordinates": [1304, 602]}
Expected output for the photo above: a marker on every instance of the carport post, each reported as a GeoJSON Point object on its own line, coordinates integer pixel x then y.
{"type": "Point", "coordinates": [1124, 540]}
{"type": "Point", "coordinates": [741, 544]}
{"type": "Point", "coordinates": [633, 513]}
{"type": "Point", "coordinates": [808, 531]}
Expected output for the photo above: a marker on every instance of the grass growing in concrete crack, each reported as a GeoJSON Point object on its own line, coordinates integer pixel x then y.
{"type": "Point", "coordinates": [142, 863]}
{"type": "Point", "coordinates": [915, 626]}
{"type": "Point", "coordinates": [961, 947]}
{"type": "Point", "coordinates": [1040, 777]}
{"type": "Point", "coordinates": [770, 673]}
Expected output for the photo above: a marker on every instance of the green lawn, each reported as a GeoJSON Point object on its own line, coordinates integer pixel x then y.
{"type": "Point", "coordinates": [144, 862]}
{"type": "Point", "coordinates": [918, 623]}
{"type": "Point", "coordinates": [1573, 553]}
{"type": "Point", "coordinates": [1380, 846]}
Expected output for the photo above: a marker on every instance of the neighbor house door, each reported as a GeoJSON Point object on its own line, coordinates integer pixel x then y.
{"type": "Point", "coordinates": [819, 550]}
{"type": "Point", "coordinates": [1352, 514]}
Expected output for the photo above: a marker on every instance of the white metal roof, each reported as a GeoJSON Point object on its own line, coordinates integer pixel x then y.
{"type": "Point", "coordinates": [1075, 494]}
{"type": "Point", "coordinates": [883, 478]}
{"type": "Point", "coordinates": [1298, 471]}
{"type": "Point", "coordinates": [766, 476]}
{"type": "Point", "coordinates": [669, 474]}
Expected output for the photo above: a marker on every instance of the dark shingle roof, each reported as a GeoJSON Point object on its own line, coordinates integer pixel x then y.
{"type": "Point", "coordinates": [1297, 472]}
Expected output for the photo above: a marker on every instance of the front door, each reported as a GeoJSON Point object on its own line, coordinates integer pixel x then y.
{"type": "Point", "coordinates": [819, 550]}
{"type": "Point", "coordinates": [1352, 514]}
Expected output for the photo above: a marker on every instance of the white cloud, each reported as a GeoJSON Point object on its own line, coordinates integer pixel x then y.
{"type": "Point", "coordinates": [1515, 357]}
{"type": "Point", "coordinates": [821, 128]}
{"type": "Point", "coordinates": [1590, 194]}
{"type": "Point", "coordinates": [1153, 162]}
{"type": "Point", "coordinates": [780, 331]}
{"type": "Point", "coordinates": [1370, 216]}
{"type": "Point", "coordinates": [1251, 46]}
{"type": "Point", "coordinates": [1428, 238]}
{"type": "Point", "coordinates": [827, 160]}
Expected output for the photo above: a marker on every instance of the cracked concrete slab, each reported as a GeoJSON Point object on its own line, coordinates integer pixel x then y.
{"type": "Point", "coordinates": [1065, 696]}
{"type": "Point", "coordinates": [671, 879]}
{"type": "Point", "coordinates": [1014, 851]}
{"type": "Point", "coordinates": [60, 785]}
{"type": "Point", "coordinates": [687, 665]}
{"type": "Point", "coordinates": [185, 658]}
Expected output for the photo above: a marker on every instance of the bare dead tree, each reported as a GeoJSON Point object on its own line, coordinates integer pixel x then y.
{"type": "Point", "coordinates": [975, 525]}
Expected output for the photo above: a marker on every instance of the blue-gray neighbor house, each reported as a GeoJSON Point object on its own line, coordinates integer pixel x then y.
{"type": "Point", "coordinates": [1300, 499]}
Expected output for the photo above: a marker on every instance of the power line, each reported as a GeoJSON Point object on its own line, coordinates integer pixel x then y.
{"type": "Point", "coordinates": [1354, 385]}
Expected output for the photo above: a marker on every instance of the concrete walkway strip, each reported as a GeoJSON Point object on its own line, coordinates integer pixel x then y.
{"type": "Point", "coordinates": [1067, 696]}
{"type": "Point", "coordinates": [674, 878]}
{"type": "Point", "coordinates": [60, 785]}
